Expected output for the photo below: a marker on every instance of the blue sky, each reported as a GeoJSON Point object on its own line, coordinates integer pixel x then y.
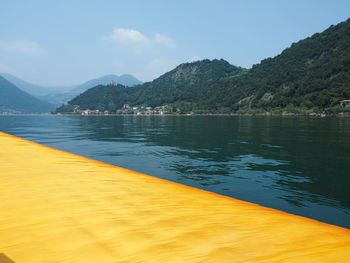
{"type": "Point", "coordinates": [70, 42]}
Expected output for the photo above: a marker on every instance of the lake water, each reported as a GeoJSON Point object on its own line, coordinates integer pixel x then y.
{"type": "Point", "coordinates": [296, 164]}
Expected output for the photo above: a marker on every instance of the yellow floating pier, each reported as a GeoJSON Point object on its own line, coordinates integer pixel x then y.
{"type": "Point", "coordinates": [60, 207]}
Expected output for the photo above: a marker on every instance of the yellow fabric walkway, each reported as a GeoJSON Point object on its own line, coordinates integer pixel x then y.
{"type": "Point", "coordinates": [60, 207]}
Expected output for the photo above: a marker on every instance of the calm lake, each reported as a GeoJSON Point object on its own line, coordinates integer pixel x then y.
{"type": "Point", "coordinates": [299, 165]}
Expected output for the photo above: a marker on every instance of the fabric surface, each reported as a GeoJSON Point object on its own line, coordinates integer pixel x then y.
{"type": "Point", "coordinates": [60, 207]}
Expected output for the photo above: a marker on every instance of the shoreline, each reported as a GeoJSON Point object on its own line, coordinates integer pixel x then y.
{"type": "Point", "coordinates": [320, 115]}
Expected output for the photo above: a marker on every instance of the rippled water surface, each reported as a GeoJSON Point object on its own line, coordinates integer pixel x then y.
{"type": "Point", "coordinates": [296, 164]}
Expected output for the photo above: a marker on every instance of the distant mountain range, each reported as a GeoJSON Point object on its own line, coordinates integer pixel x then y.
{"type": "Point", "coordinates": [312, 75]}
{"type": "Point", "coordinates": [32, 89]}
{"type": "Point", "coordinates": [188, 83]}
{"type": "Point", "coordinates": [61, 94]}
{"type": "Point", "coordinates": [14, 100]}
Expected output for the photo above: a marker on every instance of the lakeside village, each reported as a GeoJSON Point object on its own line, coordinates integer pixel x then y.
{"type": "Point", "coordinates": [146, 110]}
{"type": "Point", "coordinates": [126, 109]}
{"type": "Point", "coordinates": [166, 110]}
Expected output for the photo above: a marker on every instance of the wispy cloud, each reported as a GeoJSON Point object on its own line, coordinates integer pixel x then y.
{"type": "Point", "coordinates": [22, 46]}
{"type": "Point", "coordinates": [127, 35]}
{"type": "Point", "coordinates": [145, 53]}
{"type": "Point", "coordinates": [164, 40]}
{"type": "Point", "coordinates": [132, 36]}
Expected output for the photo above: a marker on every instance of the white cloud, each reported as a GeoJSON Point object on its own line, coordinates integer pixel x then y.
{"type": "Point", "coordinates": [164, 40]}
{"type": "Point", "coordinates": [144, 56]}
{"type": "Point", "coordinates": [132, 36]}
{"type": "Point", "coordinates": [127, 35]}
{"type": "Point", "coordinates": [22, 46]}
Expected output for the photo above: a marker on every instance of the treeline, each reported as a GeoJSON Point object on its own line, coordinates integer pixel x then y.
{"type": "Point", "coordinates": [189, 87]}
{"type": "Point", "coordinates": [313, 74]}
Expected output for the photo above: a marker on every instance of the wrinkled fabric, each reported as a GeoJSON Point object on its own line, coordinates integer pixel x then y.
{"type": "Point", "coordinates": [60, 207]}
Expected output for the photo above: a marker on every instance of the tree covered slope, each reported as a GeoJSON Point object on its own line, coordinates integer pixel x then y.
{"type": "Point", "coordinates": [311, 75]}
{"type": "Point", "coordinates": [188, 84]}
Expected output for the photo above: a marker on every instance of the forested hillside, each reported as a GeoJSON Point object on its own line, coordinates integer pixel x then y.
{"type": "Point", "coordinates": [188, 86]}
{"type": "Point", "coordinates": [312, 75]}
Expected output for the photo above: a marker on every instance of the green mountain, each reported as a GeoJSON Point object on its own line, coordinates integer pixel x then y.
{"type": "Point", "coordinates": [189, 85]}
{"type": "Point", "coordinates": [101, 97]}
{"type": "Point", "coordinates": [312, 75]}
{"type": "Point", "coordinates": [126, 80]}
{"type": "Point", "coordinates": [14, 100]}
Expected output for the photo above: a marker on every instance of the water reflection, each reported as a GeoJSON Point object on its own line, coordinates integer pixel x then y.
{"type": "Point", "coordinates": [296, 164]}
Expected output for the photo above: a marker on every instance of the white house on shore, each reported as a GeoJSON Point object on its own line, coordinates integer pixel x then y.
{"type": "Point", "coordinates": [345, 103]}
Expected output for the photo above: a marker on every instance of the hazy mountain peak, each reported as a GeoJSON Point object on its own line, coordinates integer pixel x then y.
{"type": "Point", "coordinates": [33, 89]}
{"type": "Point", "coordinates": [61, 94]}
{"type": "Point", "coordinates": [14, 100]}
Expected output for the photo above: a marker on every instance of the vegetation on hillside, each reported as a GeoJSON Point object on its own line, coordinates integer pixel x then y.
{"type": "Point", "coordinates": [188, 86]}
{"type": "Point", "coordinates": [312, 75]}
